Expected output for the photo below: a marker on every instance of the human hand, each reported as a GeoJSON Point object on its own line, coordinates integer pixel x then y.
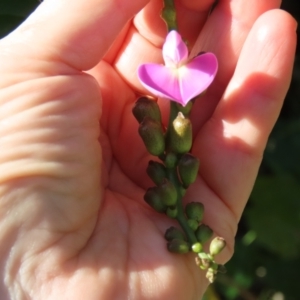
{"type": "Point", "coordinates": [73, 222]}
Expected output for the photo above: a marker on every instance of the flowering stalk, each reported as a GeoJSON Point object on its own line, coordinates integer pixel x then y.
{"type": "Point", "coordinates": [181, 80]}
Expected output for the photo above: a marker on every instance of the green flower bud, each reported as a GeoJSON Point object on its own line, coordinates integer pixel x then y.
{"type": "Point", "coordinates": [152, 197]}
{"type": "Point", "coordinates": [197, 247]}
{"type": "Point", "coordinates": [180, 135]}
{"type": "Point", "coordinates": [193, 224]}
{"type": "Point", "coordinates": [156, 171]}
{"type": "Point", "coordinates": [152, 134]}
{"type": "Point", "coordinates": [174, 233]}
{"type": "Point", "coordinates": [178, 246]}
{"type": "Point", "coordinates": [188, 167]}
{"type": "Point", "coordinates": [168, 193]}
{"type": "Point", "coordinates": [203, 233]}
{"type": "Point", "coordinates": [171, 160]}
{"type": "Point", "coordinates": [216, 246]}
{"type": "Point", "coordinates": [195, 211]}
{"type": "Point", "coordinates": [145, 107]}
{"type": "Point", "coordinates": [172, 212]}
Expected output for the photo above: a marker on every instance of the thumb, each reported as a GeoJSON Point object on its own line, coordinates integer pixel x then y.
{"type": "Point", "coordinates": [77, 32]}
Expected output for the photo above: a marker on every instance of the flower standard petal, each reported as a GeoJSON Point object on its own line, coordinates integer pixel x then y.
{"type": "Point", "coordinates": [175, 51]}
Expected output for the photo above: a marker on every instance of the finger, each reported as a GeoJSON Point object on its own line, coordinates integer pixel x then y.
{"type": "Point", "coordinates": [224, 34]}
{"type": "Point", "coordinates": [77, 33]}
{"type": "Point", "coordinates": [144, 40]}
{"type": "Point", "coordinates": [231, 144]}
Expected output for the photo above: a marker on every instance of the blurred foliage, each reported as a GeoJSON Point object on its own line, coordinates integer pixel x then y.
{"type": "Point", "coordinates": [267, 253]}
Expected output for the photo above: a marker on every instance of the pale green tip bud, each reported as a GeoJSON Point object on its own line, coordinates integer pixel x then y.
{"type": "Point", "coordinates": [180, 137]}
{"type": "Point", "coordinates": [195, 211]}
{"type": "Point", "coordinates": [178, 246]}
{"type": "Point", "coordinates": [145, 107]}
{"type": "Point", "coordinates": [203, 233]}
{"type": "Point", "coordinates": [168, 193]}
{"type": "Point", "coordinates": [188, 167]}
{"type": "Point", "coordinates": [152, 134]}
{"type": "Point", "coordinates": [174, 233]}
{"type": "Point", "coordinates": [152, 197]}
{"type": "Point", "coordinates": [193, 224]}
{"type": "Point", "coordinates": [172, 212]}
{"type": "Point", "coordinates": [216, 246]}
{"type": "Point", "coordinates": [156, 171]}
{"type": "Point", "coordinates": [197, 247]}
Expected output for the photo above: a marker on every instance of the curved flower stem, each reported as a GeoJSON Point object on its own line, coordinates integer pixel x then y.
{"type": "Point", "coordinates": [169, 15]}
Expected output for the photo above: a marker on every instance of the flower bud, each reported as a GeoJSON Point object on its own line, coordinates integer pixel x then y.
{"type": "Point", "coordinates": [195, 211]}
{"type": "Point", "coordinates": [216, 246]}
{"type": "Point", "coordinates": [152, 197]}
{"type": "Point", "coordinates": [203, 233]}
{"type": "Point", "coordinates": [174, 233]}
{"type": "Point", "coordinates": [172, 212]}
{"type": "Point", "coordinates": [152, 134]}
{"type": "Point", "coordinates": [145, 107]}
{"type": "Point", "coordinates": [156, 171]}
{"type": "Point", "coordinates": [178, 246]}
{"type": "Point", "coordinates": [197, 247]}
{"type": "Point", "coordinates": [188, 167]}
{"type": "Point", "coordinates": [193, 224]}
{"type": "Point", "coordinates": [180, 136]}
{"type": "Point", "coordinates": [168, 193]}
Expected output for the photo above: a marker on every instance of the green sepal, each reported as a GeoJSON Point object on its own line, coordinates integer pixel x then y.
{"type": "Point", "coordinates": [188, 167]}
{"type": "Point", "coordinates": [203, 233]}
{"type": "Point", "coordinates": [216, 246]}
{"type": "Point", "coordinates": [145, 107]}
{"type": "Point", "coordinates": [153, 137]}
{"type": "Point", "coordinates": [195, 211]}
{"type": "Point", "coordinates": [180, 137]}
{"type": "Point", "coordinates": [174, 233]}
{"type": "Point", "coordinates": [156, 171]}
{"type": "Point", "coordinates": [178, 246]}
{"type": "Point", "coordinates": [168, 193]}
{"type": "Point", "coordinates": [185, 109]}
{"type": "Point", "coordinates": [152, 197]}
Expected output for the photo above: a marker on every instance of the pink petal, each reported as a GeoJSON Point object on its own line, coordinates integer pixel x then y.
{"type": "Point", "coordinates": [183, 84]}
{"type": "Point", "coordinates": [160, 81]}
{"type": "Point", "coordinates": [174, 50]}
{"type": "Point", "coordinates": [197, 77]}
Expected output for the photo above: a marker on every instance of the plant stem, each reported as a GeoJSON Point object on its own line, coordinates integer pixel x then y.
{"type": "Point", "coordinates": [169, 15]}
{"type": "Point", "coordinates": [173, 177]}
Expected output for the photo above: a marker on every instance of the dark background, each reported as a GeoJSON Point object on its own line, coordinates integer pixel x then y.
{"type": "Point", "coordinates": [266, 263]}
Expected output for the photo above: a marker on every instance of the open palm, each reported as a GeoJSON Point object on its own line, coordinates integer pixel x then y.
{"type": "Point", "coordinates": [73, 224]}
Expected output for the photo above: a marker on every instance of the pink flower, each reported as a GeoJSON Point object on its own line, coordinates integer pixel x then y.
{"type": "Point", "coordinates": [180, 79]}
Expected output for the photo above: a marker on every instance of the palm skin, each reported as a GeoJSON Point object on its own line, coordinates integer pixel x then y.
{"type": "Point", "coordinates": [73, 222]}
